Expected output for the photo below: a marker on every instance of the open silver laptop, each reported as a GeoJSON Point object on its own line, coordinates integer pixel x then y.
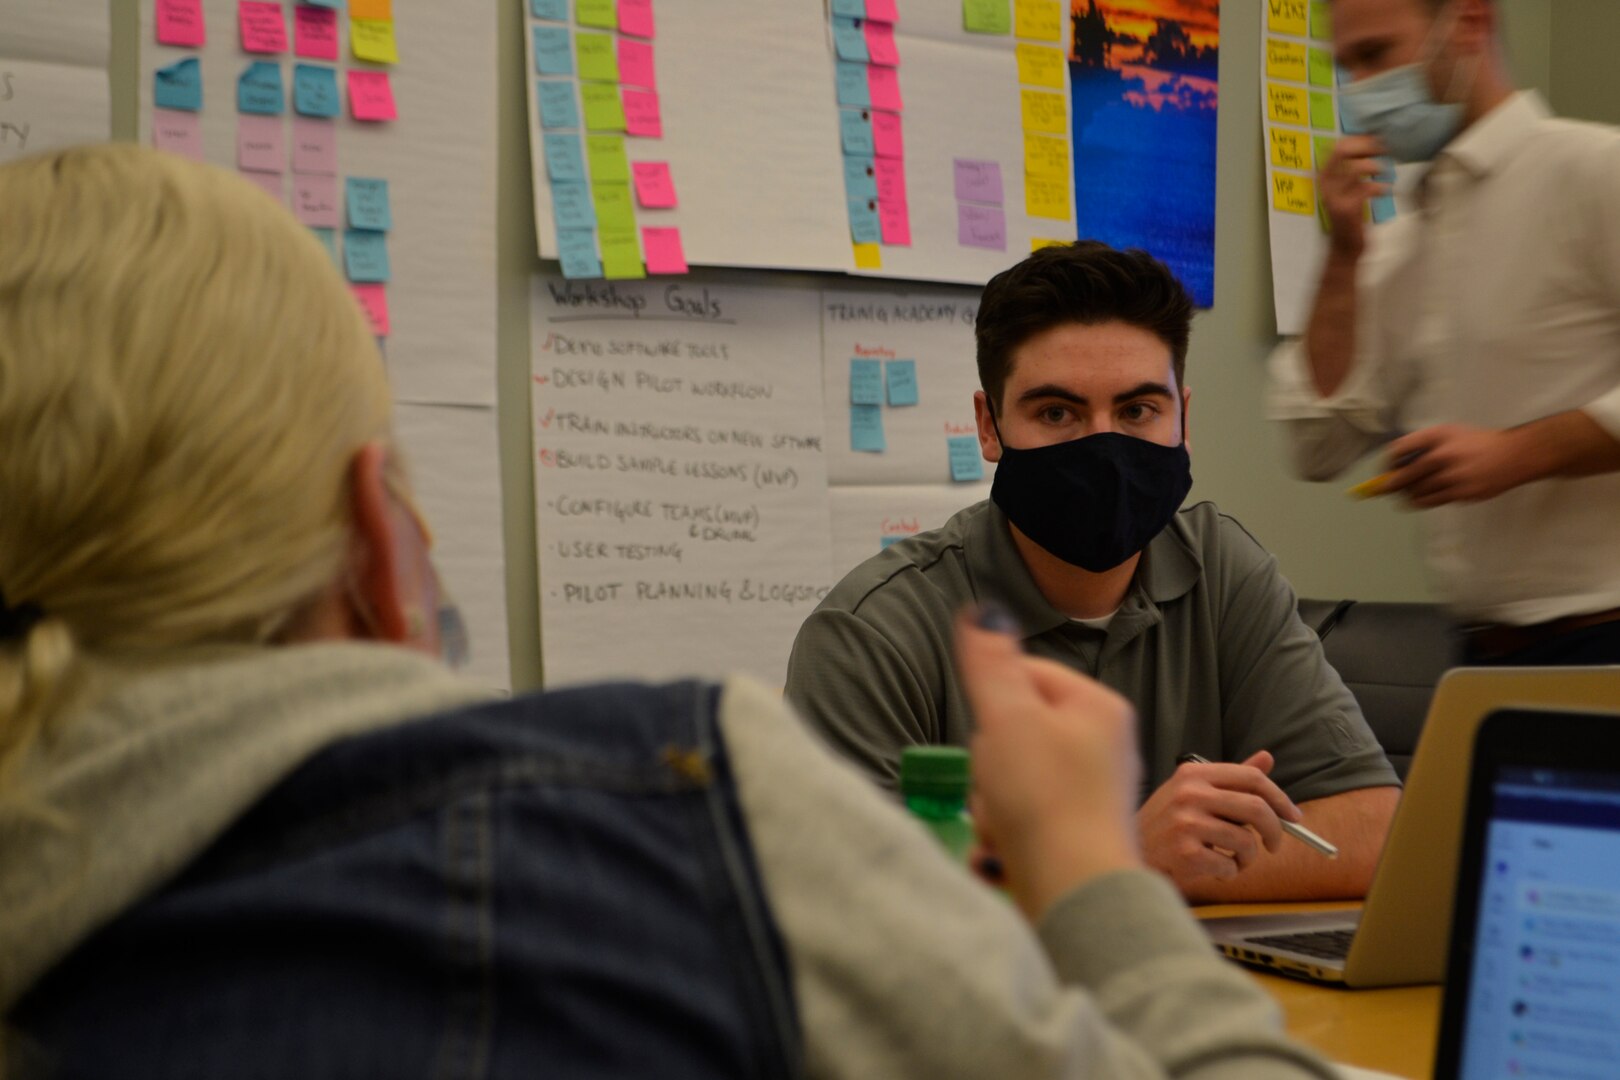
{"type": "Point", "coordinates": [1399, 936]}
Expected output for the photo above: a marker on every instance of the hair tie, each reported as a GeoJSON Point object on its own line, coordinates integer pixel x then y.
{"type": "Point", "coordinates": [17, 620]}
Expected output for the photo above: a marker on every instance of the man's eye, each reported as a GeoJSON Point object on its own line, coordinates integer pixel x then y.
{"type": "Point", "coordinates": [1139, 412]}
{"type": "Point", "coordinates": [1054, 414]}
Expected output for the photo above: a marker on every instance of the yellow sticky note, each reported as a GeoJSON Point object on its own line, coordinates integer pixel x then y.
{"type": "Point", "coordinates": [1045, 155]}
{"type": "Point", "coordinates": [1040, 65]}
{"type": "Point", "coordinates": [1047, 197]}
{"type": "Point", "coordinates": [1322, 111]}
{"type": "Point", "coordinates": [1290, 149]}
{"type": "Point", "coordinates": [1288, 105]}
{"type": "Point", "coordinates": [1038, 19]}
{"type": "Point", "coordinates": [603, 108]}
{"type": "Point", "coordinates": [868, 257]}
{"type": "Point", "coordinates": [1323, 146]}
{"type": "Point", "coordinates": [598, 57]}
{"type": "Point", "coordinates": [1044, 112]}
{"type": "Point", "coordinates": [1285, 60]}
{"type": "Point", "coordinates": [1038, 242]}
{"type": "Point", "coordinates": [1288, 17]}
{"type": "Point", "coordinates": [373, 39]}
{"type": "Point", "coordinates": [1293, 194]}
{"type": "Point", "coordinates": [621, 255]}
{"type": "Point", "coordinates": [601, 13]}
{"type": "Point", "coordinates": [1321, 64]}
{"type": "Point", "coordinates": [371, 9]}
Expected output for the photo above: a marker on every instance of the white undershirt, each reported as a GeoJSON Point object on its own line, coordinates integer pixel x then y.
{"type": "Point", "coordinates": [1099, 623]}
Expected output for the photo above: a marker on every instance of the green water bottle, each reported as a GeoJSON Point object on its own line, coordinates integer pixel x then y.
{"type": "Point", "coordinates": [934, 781]}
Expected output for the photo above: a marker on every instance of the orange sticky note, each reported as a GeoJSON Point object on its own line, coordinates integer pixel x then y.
{"type": "Point", "coordinates": [661, 247]}
{"type": "Point", "coordinates": [371, 9]}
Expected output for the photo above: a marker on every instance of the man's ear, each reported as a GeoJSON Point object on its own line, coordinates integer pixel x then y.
{"type": "Point", "coordinates": [376, 560]}
{"type": "Point", "coordinates": [1186, 418]}
{"type": "Point", "coordinates": [989, 440]}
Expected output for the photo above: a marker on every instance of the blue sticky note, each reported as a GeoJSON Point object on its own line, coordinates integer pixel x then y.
{"type": "Point", "coordinates": [855, 131]}
{"type": "Point", "coordinates": [572, 206]}
{"type": "Point", "coordinates": [853, 88]}
{"type": "Point", "coordinates": [178, 86]}
{"type": "Point", "coordinates": [1383, 209]}
{"type": "Point", "coordinates": [890, 541]}
{"type": "Point", "coordinates": [849, 39]}
{"type": "Point", "coordinates": [365, 256]}
{"type": "Point", "coordinates": [576, 248]}
{"type": "Point", "coordinates": [367, 201]}
{"type": "Point", "coordinates": [259, 89]}
{"type": "Point", "coordinates": [564, 159]}
{"type": "Point", "coordinates": [864, 225]}
{"type": "Point", "coordinates": [860, 178]}
{"type": "Point", "coordinates": [552, 54]}
{"type": "Point", "coordinates": [866, 429]}
{"type": "Point", "coordinates": [901, 375]}
{"type": "Point", "coordinates": [555, 10]}
{"type": "Point", "coordinates": [855, 9]}
{"type": "Point", "coordinates": [325, 3]}
{"type": "Point", "coordinates": [328, 238]}
{"type": "Point", "coordinates": [967, 464]}
{"type": "Point", "coordinates": [315, 91]}
{"type": "Point", "coordinates": [558, 106]}
{"type": "Point", "coordinates": [865, 382]}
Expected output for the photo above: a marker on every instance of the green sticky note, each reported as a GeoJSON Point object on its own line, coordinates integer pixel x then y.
{"type": "Point", "coordinates": [605, 153]}
{"type": "Point", "coordinates": [621, 255]}
{"type": "Point", "coordinates": [604, 109]}
{"type": "Point", "coordinates": [1321, 20]}
{"type": "Point", "coordinates": [615, 211]}
{"type": "Point", "coordinates": [1321, 67]}
{"type": "Point", "coordinates": [986, 16]}
{"type": "Point", "coordinates": [598, 59]}
{"type": "Point", "coordinates": [603, 13]}
{"type": "Point", "coordinates": [1322, 111]}
{"type": "Point", "coordinates": [1322, 146]}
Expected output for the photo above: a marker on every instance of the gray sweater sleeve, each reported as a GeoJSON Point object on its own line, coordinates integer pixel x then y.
{"type": "Point", "coordinates": [904, 966]}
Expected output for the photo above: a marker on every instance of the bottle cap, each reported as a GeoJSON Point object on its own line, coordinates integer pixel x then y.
{"type": "Point", "coordinates": [940, 772]}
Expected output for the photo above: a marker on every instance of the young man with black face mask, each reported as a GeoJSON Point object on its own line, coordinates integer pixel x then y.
{"type": "Point", "coordinates": [1476, 340]}
{"type": "Point", "coordinates": [1081, 351]}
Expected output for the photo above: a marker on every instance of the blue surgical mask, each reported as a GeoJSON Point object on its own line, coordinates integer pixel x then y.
{"type": "Point", "coordinates": [1398, 107]}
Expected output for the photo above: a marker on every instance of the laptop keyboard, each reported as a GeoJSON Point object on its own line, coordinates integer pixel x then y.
{"type": "Point", "coordinates": [1322, 944]}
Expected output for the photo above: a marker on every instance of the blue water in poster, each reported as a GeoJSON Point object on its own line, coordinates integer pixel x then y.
{"type": "Point", "coordinates": [1144, 78]}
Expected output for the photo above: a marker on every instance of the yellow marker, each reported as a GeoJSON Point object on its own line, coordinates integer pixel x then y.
{"type": "Point", "coordinates": [1370, 489]}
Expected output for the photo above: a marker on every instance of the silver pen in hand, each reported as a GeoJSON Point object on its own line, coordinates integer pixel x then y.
{"type": "Point", "coordinates": [1298, 832]}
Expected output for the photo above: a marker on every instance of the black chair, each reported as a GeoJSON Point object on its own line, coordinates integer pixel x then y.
{"type": "Point", "coordinates": [1391, 656]}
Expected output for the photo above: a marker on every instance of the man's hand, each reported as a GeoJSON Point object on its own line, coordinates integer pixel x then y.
{"type": "Point", "coordinates": [1210, 821]}
{"type": "Point", "coordinates": [1451, 463]}
{"type": "Point", "coordinates": [1347, 183]}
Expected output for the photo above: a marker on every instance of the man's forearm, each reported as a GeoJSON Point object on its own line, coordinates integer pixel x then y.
{"type": "Point", "coordinates": [1567, 444]}
{"type": "Point", "coordinates": [1356, 822]}
{"type": "Point", "coordinates": [1330, 336]}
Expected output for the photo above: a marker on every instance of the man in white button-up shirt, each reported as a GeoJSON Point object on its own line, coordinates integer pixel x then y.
{"type": "Point", "coordinates": [1476, 339]}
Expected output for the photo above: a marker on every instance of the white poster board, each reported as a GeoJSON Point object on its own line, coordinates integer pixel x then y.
{"type": "Point", "coordinates": [53, 75]}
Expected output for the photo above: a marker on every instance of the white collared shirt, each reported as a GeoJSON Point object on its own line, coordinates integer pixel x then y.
{"type": "Point", "coordinates": [1494, 304]}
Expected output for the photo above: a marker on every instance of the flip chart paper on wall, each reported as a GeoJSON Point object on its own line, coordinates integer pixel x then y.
{"type": "Point", "coordinates": [866, 518]}
{"type": "Point", "coordinates": [680, 484]}
{"type": "Point", "coordinates": [54, 87]}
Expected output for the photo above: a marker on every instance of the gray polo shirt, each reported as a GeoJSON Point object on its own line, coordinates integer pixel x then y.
{"type": "Point", "coordinates": [1207, 646]}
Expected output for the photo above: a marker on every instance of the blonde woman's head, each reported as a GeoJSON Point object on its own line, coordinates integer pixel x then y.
{"type": "Point", "coordinates": [185, 389]}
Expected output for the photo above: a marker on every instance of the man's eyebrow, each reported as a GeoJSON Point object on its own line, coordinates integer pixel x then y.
{"type": "Point", "coordinates": [1147, 389]}
{"type": "Point", "coordinates": [1053, 390]}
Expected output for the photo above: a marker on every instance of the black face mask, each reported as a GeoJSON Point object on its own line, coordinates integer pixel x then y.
{"type": "Point", "coordinates": [1094, 501]}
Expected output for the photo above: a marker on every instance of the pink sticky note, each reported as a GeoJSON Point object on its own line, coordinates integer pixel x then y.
{"type": "Point", "coordinates": [883, 83]}
{"type": "Point", "coordinates": [661, 247]}
{"type": "Point", "coordinates": [981, 226]}
{"type": "Point", "coordinates": [263, 28]}
{"type": "Point", "coordinates": [655, 188]}
{"type": "Point", "coordinates": [374, 302]}
{"type": "Point", "coordinates": [178, 132]}
{"type": "Point", "coordinates": [641, 115]}
{"type": "Point", "coordinates": [314, 148]}
{"type": "Point", "coordinates": [891, 179]}
{"type": "Point", "coordinates": [269, 181]}
{"type": "Point", "coordinates": [894, 218]}
{"type": "Point", "coordinates": [882, 11]}
{"type": "Point", "coordinates": [259, 144]}
{"type": "Point", "coordinates": [315, 201]}
{"type": "Point", "coordinates": [371, 97]}
{"type": "Point", "coordinates": [636, 64]}
{"type": "Point", "coordinates": [180, 22]}
{"type": "Point", "coordinates": [880, 47]}
{"type": "Point", "coordinates": [887, 140]}
{"type": "Point", "coordinates": [636, 17]}
{"type": "Point", "coordinates": [315, 31]}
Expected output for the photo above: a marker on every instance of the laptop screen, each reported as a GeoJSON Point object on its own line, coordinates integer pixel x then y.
{"type": "Point", "coordinates": [1544, 994]}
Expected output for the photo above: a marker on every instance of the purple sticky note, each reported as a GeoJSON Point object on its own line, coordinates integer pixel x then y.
{"type": "Point", "coordinates": [263, 28]}
{"type": "Point", "coordinates": [260, 146]}
{"type": "Point", "coordinates": [270, 182]}
{"type": "Point", "coordinates": [371, 96]}
{"type": "Point", "coordinates": [636, 64]}
{"type": "Point", "coordinates": [981, 226]}
{"type": "Point", "coordinates": [891, 179]}
{"type": "Point", "coordinates": [636, 17]}
{"type": "Point", "coordinates": [880, 47]}
{"type": "Point", "coordinates": [314, 147]}
{"type": "Point", "coordinates": [978, 181]}
{"type": "Point", "coordinates": [887, 140]}
{"type": "Point", "coordinates": [655, 188]}
{"type": "Point", "coordinates": [180, 22]}
{"type": "Point", "coordinates": [641, 114]}
{"type": "Point", "coordinates": [662, 250]}
{"type": "Point", "coordinates": [315, 201]}
{"type": "Point", "coordinates": [883, 84]}
{"type": "Point", "coordinates": [894, 217]}
{"type": "Point", "coordinates": [178, 132]}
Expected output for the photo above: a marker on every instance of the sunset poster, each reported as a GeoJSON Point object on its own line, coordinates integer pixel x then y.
{"type": "Point", "coordinates": [1145, 83]}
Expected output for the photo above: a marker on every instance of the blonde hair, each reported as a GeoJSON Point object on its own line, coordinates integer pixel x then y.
{"type": "Point", "coordinates": [184, 379]}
